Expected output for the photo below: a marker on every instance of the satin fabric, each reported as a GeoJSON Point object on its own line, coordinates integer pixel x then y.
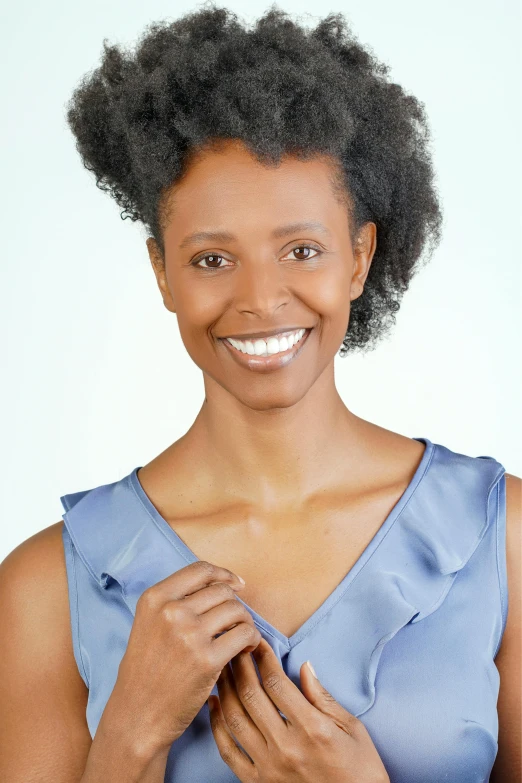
{"type": "Point", "coordinates": [406, 641]}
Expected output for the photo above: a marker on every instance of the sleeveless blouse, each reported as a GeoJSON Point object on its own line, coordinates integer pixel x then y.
{"type": "Point", "coordinates": [406, 642]}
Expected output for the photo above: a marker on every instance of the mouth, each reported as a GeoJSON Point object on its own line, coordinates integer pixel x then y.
{"type": "Point", "coordinates": [264, 355]}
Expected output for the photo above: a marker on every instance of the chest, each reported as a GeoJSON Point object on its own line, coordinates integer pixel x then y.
{"type": "Point", "coordinates": [291, 561]}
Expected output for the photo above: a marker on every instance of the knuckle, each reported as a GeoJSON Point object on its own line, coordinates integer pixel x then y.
{"type": "Point", "coordinates": [248, 694]}
{"type": "Point", "coordinates": [227, 755]}
{"type": "Point", "coordinates": [353, 726]}
{"type": "Point", "coordinates": [236, 721]}
{"type": "Point", "coordinates": [244, 632]}
{"type": "Point", "coordinates": [319, 731]}
{"type": "Point", "coordinates": [187, 644]}
{"type": "Point", "coordinates": [174, 613]}
{"type": "Point", "coordinates": [233, 607]}
{"type": "Point", "coordinates": [247, 616]}
{"type": "Point", "coordinates": [207, 662]}
{"type": "Point", "coordinates": [208, 569]}
{"type": "Point", "coordinates": [273, 682]}
{"type": "Point", "coordinates": [224, 591]}
{"type": "Point", "coordinates": [251, 634]}
{"type": "Point", "coordinates": [292, 756]}
{"type": "Point", "coordinates": [327, 696]}
{"type": "Point", "coordinates": [147, 599]}
{"type": "Point", "coordinates": [358, 728]}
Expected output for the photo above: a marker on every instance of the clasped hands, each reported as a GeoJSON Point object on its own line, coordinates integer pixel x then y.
{"type": "Point", "coordinates": [318, 741]}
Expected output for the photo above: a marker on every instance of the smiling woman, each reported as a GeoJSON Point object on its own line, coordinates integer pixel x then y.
{"type": "Point", "coordinates": [288, 193]}
{"type": "Point", "coordinates": [144, 118]}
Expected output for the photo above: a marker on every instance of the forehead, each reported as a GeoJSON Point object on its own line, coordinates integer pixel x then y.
{"type": "Point", "coordinates": [232, 155]}
{"type": "Point", "coordinates": [226, 182]}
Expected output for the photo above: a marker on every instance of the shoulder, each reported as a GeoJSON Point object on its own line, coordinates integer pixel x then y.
{"type": "Point", "coordinates": [508, 763]}
{"type": "Point", "coordinates": [39, 680]}
{"type": "Point", "coordinates": [34, 597]}
{"type": "Point", "coordinates": [36, 563]}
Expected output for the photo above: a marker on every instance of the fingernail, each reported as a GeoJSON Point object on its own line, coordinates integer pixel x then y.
{"type": "Point", "coordinates": [312, 669]}
{"type": "Point", "coordinates": [241, 580]}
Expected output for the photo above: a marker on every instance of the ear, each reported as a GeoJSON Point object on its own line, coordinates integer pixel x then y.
{"type": "Point", "coordinates": [363, 253]}
{"type": "Point", "coordinates": [159, 267]}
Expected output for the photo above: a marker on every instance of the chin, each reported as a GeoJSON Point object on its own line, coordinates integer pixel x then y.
{"type": "Point", "coordinates": [274, 402]}
{"type": "Point", "coordinates": [268, 395]}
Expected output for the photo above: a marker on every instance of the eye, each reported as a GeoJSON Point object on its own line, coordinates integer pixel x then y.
{"type": "Point", "coordinates": [212, 258]}
{"type": "Point", "coordinates": [305, 247]}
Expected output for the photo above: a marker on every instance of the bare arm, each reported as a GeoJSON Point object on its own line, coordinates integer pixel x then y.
{"type": "Point", "coordinates": [112, 758]}
{"type": "Point", "coordinates": [508, 764]}
{"type": "Point", "coordinates": [44, 735]}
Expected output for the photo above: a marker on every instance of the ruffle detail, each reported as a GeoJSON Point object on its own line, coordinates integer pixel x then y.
{"type": "Point", "coordinates": [405, 579]}
{"type": "Point", "coordinates": [412, 572]}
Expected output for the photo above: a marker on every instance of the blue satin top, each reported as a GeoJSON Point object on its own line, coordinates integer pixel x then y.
{"type": "Point", "coordinates": [406, 641]}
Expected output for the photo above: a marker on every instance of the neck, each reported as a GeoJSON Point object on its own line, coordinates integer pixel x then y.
{"type": "Point", "coordinates": [273, 457]}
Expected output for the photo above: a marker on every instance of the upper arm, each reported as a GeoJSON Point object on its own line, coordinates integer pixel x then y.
{"type": "Point", "coordinates": [508, 764]}
{"type": "Point", "coordinates": [43, 699]}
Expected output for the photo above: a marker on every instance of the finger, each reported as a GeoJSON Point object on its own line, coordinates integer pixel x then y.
{"type": "Point", "coordinates": [323, 700]}
{"type": "Point", "coordinates": [190, 579]}
{"type": "Point", "coordinates": [255, 700]}
{"type": "Point", "coordinates": [237, 760]}
{"type": "Point", "coordinates": [281, 690]}
{"type": "Point", "coordinates": [244, 636]}
{"type": "Point", "coordinates": [210, 596]}
{"type": "Point", "coordinates": [224, 616]}
{"type": "Point", "coordinates": [235, 715]}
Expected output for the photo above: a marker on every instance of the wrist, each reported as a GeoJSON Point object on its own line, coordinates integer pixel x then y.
{"type": "Point", "coordinates": [129, 741]}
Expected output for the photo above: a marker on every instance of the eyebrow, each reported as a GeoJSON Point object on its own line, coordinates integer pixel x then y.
{"type": "Point", "coordinates": [277, 233]}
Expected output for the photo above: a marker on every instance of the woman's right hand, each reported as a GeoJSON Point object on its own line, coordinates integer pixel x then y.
{"type": "Point", "coordinates": [172, 660]}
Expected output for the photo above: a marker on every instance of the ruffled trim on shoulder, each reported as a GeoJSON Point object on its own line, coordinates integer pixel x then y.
{"type": "Point", "coordinates": [117, 540]}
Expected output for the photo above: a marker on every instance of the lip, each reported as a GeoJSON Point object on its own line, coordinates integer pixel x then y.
{"type": "Point", "coordinates": [266, 363]}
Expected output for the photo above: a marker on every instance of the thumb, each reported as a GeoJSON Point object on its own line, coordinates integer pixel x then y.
{"type": "Point", "coordinates": [323, 700]}
{"type": "Point", "coordinates": [314, 691]}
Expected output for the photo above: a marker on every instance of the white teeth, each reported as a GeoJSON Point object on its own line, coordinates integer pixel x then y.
{"type": "Point", "coordinates": [259, 347]}
{"type": "Point", "coordinates": [270, 346]}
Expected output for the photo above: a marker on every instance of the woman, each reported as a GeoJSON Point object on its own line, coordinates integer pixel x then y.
{"type": "Point", "coordinates": [287, 189]}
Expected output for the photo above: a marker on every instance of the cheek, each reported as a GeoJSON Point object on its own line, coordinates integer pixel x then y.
{"type": "Point", "coordinates": [329, 298]}
{"type": "Point", "coordinates": [199, 307]}
{"type": "Point", "coordinates": [332, 296]}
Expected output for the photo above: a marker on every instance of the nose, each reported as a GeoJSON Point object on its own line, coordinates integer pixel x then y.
{"type": "Point", "coordinates": [260, 288]}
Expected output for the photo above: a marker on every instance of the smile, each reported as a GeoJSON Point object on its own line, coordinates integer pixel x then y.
{"type": "Point", "coordinates": [267, 354]}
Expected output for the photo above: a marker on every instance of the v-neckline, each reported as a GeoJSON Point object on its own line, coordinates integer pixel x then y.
{"type": "Point", "coordinates": [338, 591]}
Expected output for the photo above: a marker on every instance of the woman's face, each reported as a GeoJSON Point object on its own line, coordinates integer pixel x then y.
{"type": "Point", "coordinates": [251, 250]}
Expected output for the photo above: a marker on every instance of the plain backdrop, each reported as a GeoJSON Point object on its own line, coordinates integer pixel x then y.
{"type": "Point", "coordinates": [96, 380]}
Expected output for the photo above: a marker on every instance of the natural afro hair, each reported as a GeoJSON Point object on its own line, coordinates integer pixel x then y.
{"type": "Point", "coordinates": [281, 89]}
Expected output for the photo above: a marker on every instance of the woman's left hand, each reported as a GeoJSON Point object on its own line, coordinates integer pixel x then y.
{"type": "Point", "coordinates": [320, 740]}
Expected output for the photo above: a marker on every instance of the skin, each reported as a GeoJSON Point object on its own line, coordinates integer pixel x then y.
{"type": "Point", "coordinates": [325, 480]}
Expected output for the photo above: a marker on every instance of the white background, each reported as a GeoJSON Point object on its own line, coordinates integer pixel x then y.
{"type": "Point", "coordinates": [96, 379]}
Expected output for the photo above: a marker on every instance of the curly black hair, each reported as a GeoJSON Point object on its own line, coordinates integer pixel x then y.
{"type": "Point", "coordinates": [281, 89]}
